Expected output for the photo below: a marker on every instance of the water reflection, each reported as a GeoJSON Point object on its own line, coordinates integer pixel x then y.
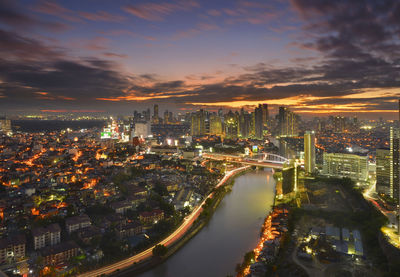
{"type": "Point", "coordinates": [232, 231]}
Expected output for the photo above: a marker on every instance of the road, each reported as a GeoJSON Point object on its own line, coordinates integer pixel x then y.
{"type": "Point", "coordinates": [172, 238]}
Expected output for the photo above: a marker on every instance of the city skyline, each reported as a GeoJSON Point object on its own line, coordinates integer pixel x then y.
{"type": "Point", "coordinates": [318, 57]}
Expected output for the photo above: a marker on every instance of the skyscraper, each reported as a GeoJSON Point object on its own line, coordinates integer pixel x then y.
{"type": "Point", "coordinates": [215, 124]}
{"type": "Point", "coordinates": [265, 115]}
{"type": "Point", "coordinates": [309, 151]}
{"type": "Point", "coordinates": [287, 123]}
{"type": "Point", "coordinates": [155, 118]}
{"type": "Point", "coordinates": [231, 125]}
{"type": "Point", "coordinates": [383, 159]}
{"type": "Point", "coordinates": [258, 122]}
{"type": "Point", "coordinates": [198, 126]}
{"type": "Point", "coordinates": [394, 163]}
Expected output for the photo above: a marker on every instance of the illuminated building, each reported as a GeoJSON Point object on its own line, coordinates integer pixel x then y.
{"type": "Point", "coordinates": [346, 165]}
{"type": "Point", "coordinates": [198, 126]}
{"type": "Point", "coordinates": [5, 125]}
{"type": "Point", "coordinates": [290, 176]}
{"type": "Point", "coordinates": [155, 115]}
{"type": "Point", "coordinates": [394, 163]}
{"type": "Point", "coordinates": [339, 124]}
{"type": "Point", "coordinates": [231, 125]}
{"type": "Point", "coordinates": [383, 159]}
{"type": "Point", "coordinates": [287, 123]}
{"type": "Point", "coordinates": [265, 115]}
{"type": "Point", "coordinates": [244, 124]}
{"type": "Point", "coordinates": [215, 125]}
{"type": "Point", "coordinates": [309, 151]}
{"type": "Point", "coordinates": [258, 122]}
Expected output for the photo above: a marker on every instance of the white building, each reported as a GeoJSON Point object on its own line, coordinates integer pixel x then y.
{"type": "Point", "coordinates": [142, 129]}
{"type": "Point", "coordinates": [47, 236]}
{"type": "Point", "coordinates": [346, 165]}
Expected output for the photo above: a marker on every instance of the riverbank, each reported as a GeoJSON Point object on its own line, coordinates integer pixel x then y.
{"type": "Point", "coordinates": [273, 231]}
{"type": "Point", "coordinates": [209, 206]}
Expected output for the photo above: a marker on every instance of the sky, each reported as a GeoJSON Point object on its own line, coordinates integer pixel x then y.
{"type": "Point", "coordinates": [319, 57]}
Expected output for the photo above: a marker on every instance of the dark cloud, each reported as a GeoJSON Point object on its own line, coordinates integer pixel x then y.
{"type": "Point", "coordinates": [13, 45]}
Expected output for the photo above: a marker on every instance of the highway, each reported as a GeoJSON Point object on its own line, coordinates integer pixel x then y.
{"type": "Point", "coordinates": [172, 238]}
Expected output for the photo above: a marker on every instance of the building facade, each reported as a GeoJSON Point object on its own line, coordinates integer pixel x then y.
{"type": "Point", "coordinates": [309, 152]}
{"type": "Point", "coordinates": [341, 165]}
{"type": "Point", "coordinates": [383, 161]}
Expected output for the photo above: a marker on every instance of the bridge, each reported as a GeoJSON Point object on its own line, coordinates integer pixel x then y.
{"type": "Point", "coordinates": [262, 160]}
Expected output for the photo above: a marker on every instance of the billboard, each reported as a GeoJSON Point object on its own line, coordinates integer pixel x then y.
{"type": "Point", "coordinates": [255, 149]}
{"type": "Point", "coordinates": [105, 135]}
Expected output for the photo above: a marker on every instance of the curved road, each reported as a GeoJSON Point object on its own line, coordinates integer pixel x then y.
{"type": "Point", "coordinates": [176, 235]}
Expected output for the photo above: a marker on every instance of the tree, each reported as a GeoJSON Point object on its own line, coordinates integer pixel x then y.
{"type": "Point", "coordinates": [160, 250]}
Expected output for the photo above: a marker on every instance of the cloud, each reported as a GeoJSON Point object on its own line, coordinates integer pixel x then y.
{"type": "Point", "coordinates": [102, 16]}
{"type": "Point", "coordinates": [53, 8]}
{"type": "Point", "coordinates": [13, 45]}
{"type": "Point", "coordinates": [157, 11]}
{"type": "Point", "coordinates": [11, 16]}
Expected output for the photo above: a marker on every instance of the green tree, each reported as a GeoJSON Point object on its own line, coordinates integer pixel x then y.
{"type": "Point", "coordinates": [160, 250]}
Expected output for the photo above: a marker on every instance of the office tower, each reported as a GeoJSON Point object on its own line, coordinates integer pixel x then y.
{"type": "Point", "coordinates": [155, 119]}
{"type": "Point", "coordinates": [215, 124]}
{"type": "Point", "coordinates": [231, 125]}
{"type": "Point", "coordinates": [221, 113]}
{"type": "Point", "coordinates": [258, 122]}
{"type": "Point", "coordinates": [341, 165]}
{"type": "Point", "coordinates": [265, 115]}
{"type": "Point", "coordinates": [147, 114]}
{"type": "Point", "coordinates": [155, 111]}
{"type": "Point", "coordinates": [309, 151]}
{"type": "Point", "coordinates": [166, 117]}
{"type": "Point", "coordinates": [383, 159]}
{"type": "Point", "coordinates": [198, 126]}
{"type": "Point", "coordinates": [287, 123]}
{"type": "Point", "coordinates": [394, 163]}
{"type": "Point", "coordinates": [339, 124]}
{"type": "Point", "coordinates": [244, 124]}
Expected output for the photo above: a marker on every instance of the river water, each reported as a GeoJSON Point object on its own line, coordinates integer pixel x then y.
{"type": "Point", "coordinates": [232, 231]}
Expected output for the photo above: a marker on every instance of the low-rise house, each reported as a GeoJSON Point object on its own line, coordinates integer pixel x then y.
{"type": "Point", "coordinates": [129, 229]}
{"type": "Point", "coordinates": [60, 253]}
{"type": "Point", "coordinates": [121, 207]}
{"type": "Point", "coordinates": [151, 217]}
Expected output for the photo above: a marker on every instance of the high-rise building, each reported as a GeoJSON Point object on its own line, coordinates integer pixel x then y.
{"type": "Point", "coordinates": [244, 124]}
{"type": "Point", "coordinates": [258, 122]}
{"type": "Point", "coordinates": [265, 115]}
{"type": "Point", "coordinates": [290, 176]}
{"type": "Point", "coordinates": [231, 125]}
{"type": "Point", "coordinates": [309, 151]}
{"type": "Point", "coordinates": [339, 124]}
{"type": "Point", "coordinates": [346, 165]}
{"type": "Point", "coordinates": [198, 127]}
{"type": "Point", "coordinates": [287, 123]}
{"type": "Point", "coordinates": [156, 118]}
{"type": "Point", "coordinates": [394, 163]}
{"type": "Point", "coordinates": [215, 124]}
{"type": "Point", "coordinates": [5, 125]}
{"type": "Point", "coordinates": [383, 159]}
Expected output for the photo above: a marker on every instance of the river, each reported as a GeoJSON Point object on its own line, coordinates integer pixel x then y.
{"type": "Point", "coordinates": [232, 231]}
